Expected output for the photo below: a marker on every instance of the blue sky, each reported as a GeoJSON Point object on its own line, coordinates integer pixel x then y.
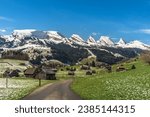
{"type": "Point", "coordinates": [129, 19]}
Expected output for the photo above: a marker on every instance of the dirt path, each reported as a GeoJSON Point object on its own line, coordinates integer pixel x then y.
{"type": "Point", "coordinates": [57, 91]}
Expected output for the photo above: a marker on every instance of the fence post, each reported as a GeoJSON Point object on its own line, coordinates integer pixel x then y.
{"type": "Point", "coordinates": [39, 82]}
{"type": "Point", "coordinates": [6, 82]}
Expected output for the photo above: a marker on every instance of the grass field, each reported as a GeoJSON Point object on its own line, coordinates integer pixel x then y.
{"type": "Point", "coordinates": [78, 73]}
{"type": "Point", "coordinates": [128, 85]}
{"type": "Point", "coordinates": [18, 87]}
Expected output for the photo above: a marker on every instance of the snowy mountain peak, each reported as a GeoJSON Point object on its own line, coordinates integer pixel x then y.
{"type": "Point", "coordinates": [135, 44]}
{"type": "Point", "coordinates": [55, 35]}
{"type": "Point", "coordinates": [23, 38]}
{"type": "Point", "coordinates": [43, 36]}
{"type": "Point", "coordinates": [105, 41]}
{"type": "Point", "coordinates": [91, 40]}
{"type": "Point", "coordinates": [121, 42]}
{"type": "Point", "coordinates": [77, 38]}
{"type": "Point", "coordinates": [20, 34]}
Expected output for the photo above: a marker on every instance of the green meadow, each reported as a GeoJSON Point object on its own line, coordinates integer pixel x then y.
{"type": "Point", "coordinates": [133, 84]}
{"type": "Point", "coordinates": [128, 85]}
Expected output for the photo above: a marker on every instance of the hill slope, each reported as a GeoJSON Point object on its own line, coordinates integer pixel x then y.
{"type": "Point", "coordinates": [129, 85]}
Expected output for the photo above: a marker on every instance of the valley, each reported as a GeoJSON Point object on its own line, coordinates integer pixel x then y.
{"type": "Point", "coordinates": [101, 69]}
{"type": "Point", "coordinates": [131, 84]}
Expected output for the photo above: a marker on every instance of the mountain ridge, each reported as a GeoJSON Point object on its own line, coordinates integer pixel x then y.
{"type": "Point", "coordinates": [56, 37]}
{"type": "Point", "coordinates": [40, 46]}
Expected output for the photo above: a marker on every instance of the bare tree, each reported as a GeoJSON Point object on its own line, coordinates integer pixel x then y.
{"type": "Point", "coordinates": [145, 56]}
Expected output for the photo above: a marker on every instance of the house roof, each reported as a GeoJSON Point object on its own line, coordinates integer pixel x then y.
{"type": "Point", "coordinates": [30, 71]}
{"type": "Point", "coordinates": [11, 73]}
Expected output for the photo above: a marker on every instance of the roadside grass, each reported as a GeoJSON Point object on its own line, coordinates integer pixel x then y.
{"type": "Point", "coordinates": [128, 85]}
{"type": "Point", "coordinates": [19, 87]}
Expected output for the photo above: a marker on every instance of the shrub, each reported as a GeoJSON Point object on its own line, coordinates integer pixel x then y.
{"type": "Point", "coordinates": [133, 67]}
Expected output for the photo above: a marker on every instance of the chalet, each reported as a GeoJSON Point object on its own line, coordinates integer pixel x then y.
{"type": "Point", "coordinates": [71, 73]}
{"type": "Point", "coordinates": [85, 67]}
{"type": "Point", "coordinates": [31, 72]}
{"type": "Point", "coordinates": [101, 64]}
{"type": "Point", "coordinates": [46, 74]}
{"type": "Point", "coordinates": [109, 68]}
{"type": "Point", "coordinates": [120, 69]}
{"type": "Point", "coordinates": [89, 72]}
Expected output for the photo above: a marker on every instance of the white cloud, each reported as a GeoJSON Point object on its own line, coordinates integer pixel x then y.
{"type": "Point", "coordinates": [146, 31]}
{"type": "Point", "coordinates": [2, 30]}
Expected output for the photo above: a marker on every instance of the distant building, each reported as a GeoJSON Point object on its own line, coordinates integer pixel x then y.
{"type": "Point", "coordinates": [41, 73]}
{"type": "Point", "coordinates": [89, 72]}
{"type": "Point", "coordinates": [31, 72]}
{"type": "Point", "coordinates": [85, 67]}
{"type": "Point", "coordinates": [71, 73]}
{"type": "Point", "coordinates": [46, 74]}
{"type": "Point", "coordinates": [11, 73]}
{"type": "Point", "coordinates": [120, 69]}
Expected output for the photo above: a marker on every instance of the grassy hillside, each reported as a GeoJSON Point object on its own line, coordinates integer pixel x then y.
{"type": "Point", "coordinates": [128, 85]}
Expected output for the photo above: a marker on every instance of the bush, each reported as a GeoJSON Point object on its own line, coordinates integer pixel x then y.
{"type": "Point", "coordinates": [133, 67]}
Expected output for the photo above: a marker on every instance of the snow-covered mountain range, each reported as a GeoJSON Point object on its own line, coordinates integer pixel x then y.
{"type": "Point", "coordinates": [26, 38]}
{"type": "Point", "coordinates": [60, 47]}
